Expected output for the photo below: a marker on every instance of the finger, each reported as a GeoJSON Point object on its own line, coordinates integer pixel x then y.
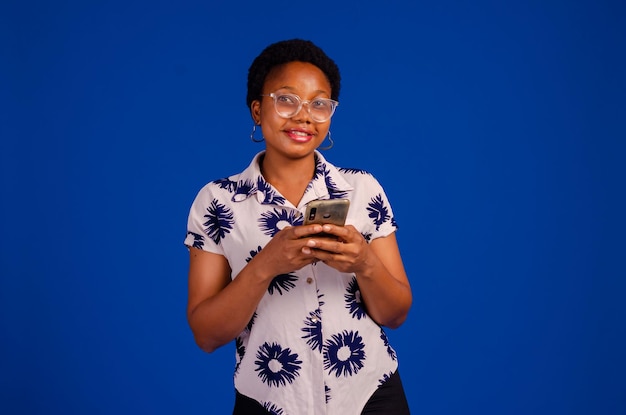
{"type": "Point", "coordinates": [340, 232]}
{"type": "Point", "coordinates": [307, 230]}
{"type": "Point", "coordinates": [324, 256]}
{"type": "Point", "coordinates": [326, 244]}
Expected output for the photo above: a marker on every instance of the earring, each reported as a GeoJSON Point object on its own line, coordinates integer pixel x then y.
{"type": "Point", "coordinates": [331, 142]}
{"type": "Point", "coordinates": [256, 140]}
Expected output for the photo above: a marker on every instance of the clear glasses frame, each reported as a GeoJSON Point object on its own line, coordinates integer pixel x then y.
{"type": "Point", "coordinates": [314, 114]}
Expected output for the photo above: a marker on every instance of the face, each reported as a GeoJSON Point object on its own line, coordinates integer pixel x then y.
{"type": "Point", "coordinates": [298, 135]}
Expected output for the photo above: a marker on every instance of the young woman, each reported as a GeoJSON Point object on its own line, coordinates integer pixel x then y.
{"type": "Point", "coordinates": [306, 310]}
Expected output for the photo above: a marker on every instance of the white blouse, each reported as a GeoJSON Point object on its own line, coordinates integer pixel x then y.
{"type": "Point", "coordinates": [310, 347]}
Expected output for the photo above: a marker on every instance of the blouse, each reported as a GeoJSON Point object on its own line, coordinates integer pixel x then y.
{"type": "Point", "coordinates": [310, 347]}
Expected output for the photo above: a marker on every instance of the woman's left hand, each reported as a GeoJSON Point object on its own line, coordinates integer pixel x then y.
{"type": "Point", "coordinates": [347, 253]}
{"type": "Point", "coordinates": [377, 266]}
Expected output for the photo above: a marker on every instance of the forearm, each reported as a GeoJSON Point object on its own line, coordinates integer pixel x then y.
{"type": "Point", "coordinates": [219, 319]}
{"type": "Point", "coordinates": [386, 298]}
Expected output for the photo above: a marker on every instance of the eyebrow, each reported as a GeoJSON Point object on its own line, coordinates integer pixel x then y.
{"type": "Point", "coordinates": [318, 92]}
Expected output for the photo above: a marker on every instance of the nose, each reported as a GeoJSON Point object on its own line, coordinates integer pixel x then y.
{"type": "Point", "coordinates": [303, 114]}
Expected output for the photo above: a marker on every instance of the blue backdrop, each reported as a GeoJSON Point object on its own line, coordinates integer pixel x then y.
{"type": "Point", "coordinates": [497, 129]}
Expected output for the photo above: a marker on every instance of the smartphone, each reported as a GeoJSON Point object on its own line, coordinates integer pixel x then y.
{"type": "Point", "coordinates": [333, 211]}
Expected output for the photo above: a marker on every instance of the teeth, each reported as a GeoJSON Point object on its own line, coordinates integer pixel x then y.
{"type": "Point", "coordinates": [300, 133]}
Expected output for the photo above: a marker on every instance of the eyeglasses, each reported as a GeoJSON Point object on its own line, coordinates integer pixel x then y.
{"type": "Point", "coordinates": [288, 105]}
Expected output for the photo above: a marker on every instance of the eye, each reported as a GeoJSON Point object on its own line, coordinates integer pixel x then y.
{"type": "Point", "coordinates": [287, 99]}
{"type": "Point", "coordinates": [320, 103]}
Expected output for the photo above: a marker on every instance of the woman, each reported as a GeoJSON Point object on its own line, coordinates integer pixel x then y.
{"type": "Point", "coordinates": [306, 312]}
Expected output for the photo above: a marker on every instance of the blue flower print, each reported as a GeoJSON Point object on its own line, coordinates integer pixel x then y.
{"type": "Point", "coordinates": [245, 188]}
{"type": "Point", "coordinates": [327, 391]}
{"type": "Point", "coordinates": [313, 330]}
{"type": "Point", "coordinates": [251, 322]}
{"type": "Point", "coordinates": [337, 194]}
{"type": "Point", "coordinates": [385, 339]}
{"type": "Point", "coordinates": [271, 197]}
{"type": "Point", "coordinates": [277, 366]}
{"type": "Point", "coordinates": [226, 184]}
{"type": "Point", "coordinates": [377, 211]}
{"type": "Point", "coordinates": [273, 409]}
{"type": "Point", "coordinates": [272, 222]}
{"type": "Point", "coordinates": [241, 351]}
{"type": "Point", "coordinates": [253, 253]}
{"type": "Point", "coordinates": [353, 171]}
{"type": "Point", "coordinates": [198, 240]}
{"type": "Point", "coordinates": [353, 300]}
{"type": "Point", "coordinates": [367, 236]}
{"type": "Point", "coordinates": [319, 299]}
{"type": "Point", "coordinates": [239, 347]}
{"type": "Point", "coordinates": [299, 220]}
{"type": "Point", "coordinates": [219, 221]}
{"type": "Point", "coordinates": [320, 168]}
{"type": "Point", "coordinates": [344, 354]}
{"type": "Point", "coordinates": [386, 377]}
{"type": "Point", "coordinates": [282, 282]}
{"type": "Point", "coordinates": [333, 190]}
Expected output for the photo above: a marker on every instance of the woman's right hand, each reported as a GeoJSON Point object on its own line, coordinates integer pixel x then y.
{"type": "Point", "coordinates": [283, 253]}
{"type": "Point", "coordinates": [219, 307]}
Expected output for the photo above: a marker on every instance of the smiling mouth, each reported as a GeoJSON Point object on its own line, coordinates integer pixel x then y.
{"type": "Point", "coordinates": [299, 135]}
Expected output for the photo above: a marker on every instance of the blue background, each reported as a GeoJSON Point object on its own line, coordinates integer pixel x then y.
{"type": "Point", "coordinates": [497, 129]}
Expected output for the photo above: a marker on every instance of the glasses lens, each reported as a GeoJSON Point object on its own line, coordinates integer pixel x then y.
{"type": "Point", "coordinates": [287, 105]}
{"type": "Point", "coordinates": [321, 109]}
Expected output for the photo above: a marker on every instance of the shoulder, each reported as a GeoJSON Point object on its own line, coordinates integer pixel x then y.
{"type": "Point", "coordinates": [242, 184]}
{"type": "Point", "coordinates": [360, 179]}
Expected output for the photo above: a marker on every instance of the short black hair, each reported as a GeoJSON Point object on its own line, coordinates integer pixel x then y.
{"type": "Point", "coordinates": [290, 51]}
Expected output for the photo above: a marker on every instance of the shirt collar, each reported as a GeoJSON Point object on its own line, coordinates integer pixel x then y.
{"type": "Point", "coordinates": [327, 183]}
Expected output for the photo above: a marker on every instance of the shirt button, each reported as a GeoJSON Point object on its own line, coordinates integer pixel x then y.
{"type": "Point", "coordinates": [309, 280]}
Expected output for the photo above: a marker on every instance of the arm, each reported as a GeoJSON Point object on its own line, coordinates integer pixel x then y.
{"type": "Point", "coordinates": [218, 309]}
{"type": "Point", "coordinates": [385, 289]}
{"type": "Point", "coordinates": [384, 284]}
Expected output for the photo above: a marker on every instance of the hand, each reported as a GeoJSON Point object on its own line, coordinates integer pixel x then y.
{"type": "Point", "coordinates": [348, 253]}
{"type": "Point", "coordinates": [284, 252]}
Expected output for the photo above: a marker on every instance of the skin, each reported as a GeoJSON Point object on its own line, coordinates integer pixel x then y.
{"type": "Point", "coordinates": [219, 308]}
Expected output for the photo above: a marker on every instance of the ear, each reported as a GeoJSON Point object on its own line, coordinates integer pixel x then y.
{"type": "Point", "coordinates": [255, 111]}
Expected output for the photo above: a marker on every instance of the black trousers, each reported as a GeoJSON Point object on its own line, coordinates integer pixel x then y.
{"type": "Point", "coordinates": [388, 399]}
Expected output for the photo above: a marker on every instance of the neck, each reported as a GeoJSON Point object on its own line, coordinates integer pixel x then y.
{"type": "Point", "coordinates": [289, 176]}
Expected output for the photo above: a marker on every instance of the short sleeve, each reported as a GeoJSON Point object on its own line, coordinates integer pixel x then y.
{"type": "Point", "coordinates": [371, 212]}
{"type": "Point", "coordinates": [199, 223]}
{"type": "Point", "coordinates": [379, 211]}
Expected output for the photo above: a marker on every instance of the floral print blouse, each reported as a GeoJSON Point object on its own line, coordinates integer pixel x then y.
{"type": "Point", "coordinates": [310, 347]}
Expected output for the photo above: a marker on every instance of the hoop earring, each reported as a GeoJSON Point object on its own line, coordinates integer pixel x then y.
{"type": "Point", "coordinates": [255, 140]}
{"type": "Point", "coordinates": [331, 142]}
